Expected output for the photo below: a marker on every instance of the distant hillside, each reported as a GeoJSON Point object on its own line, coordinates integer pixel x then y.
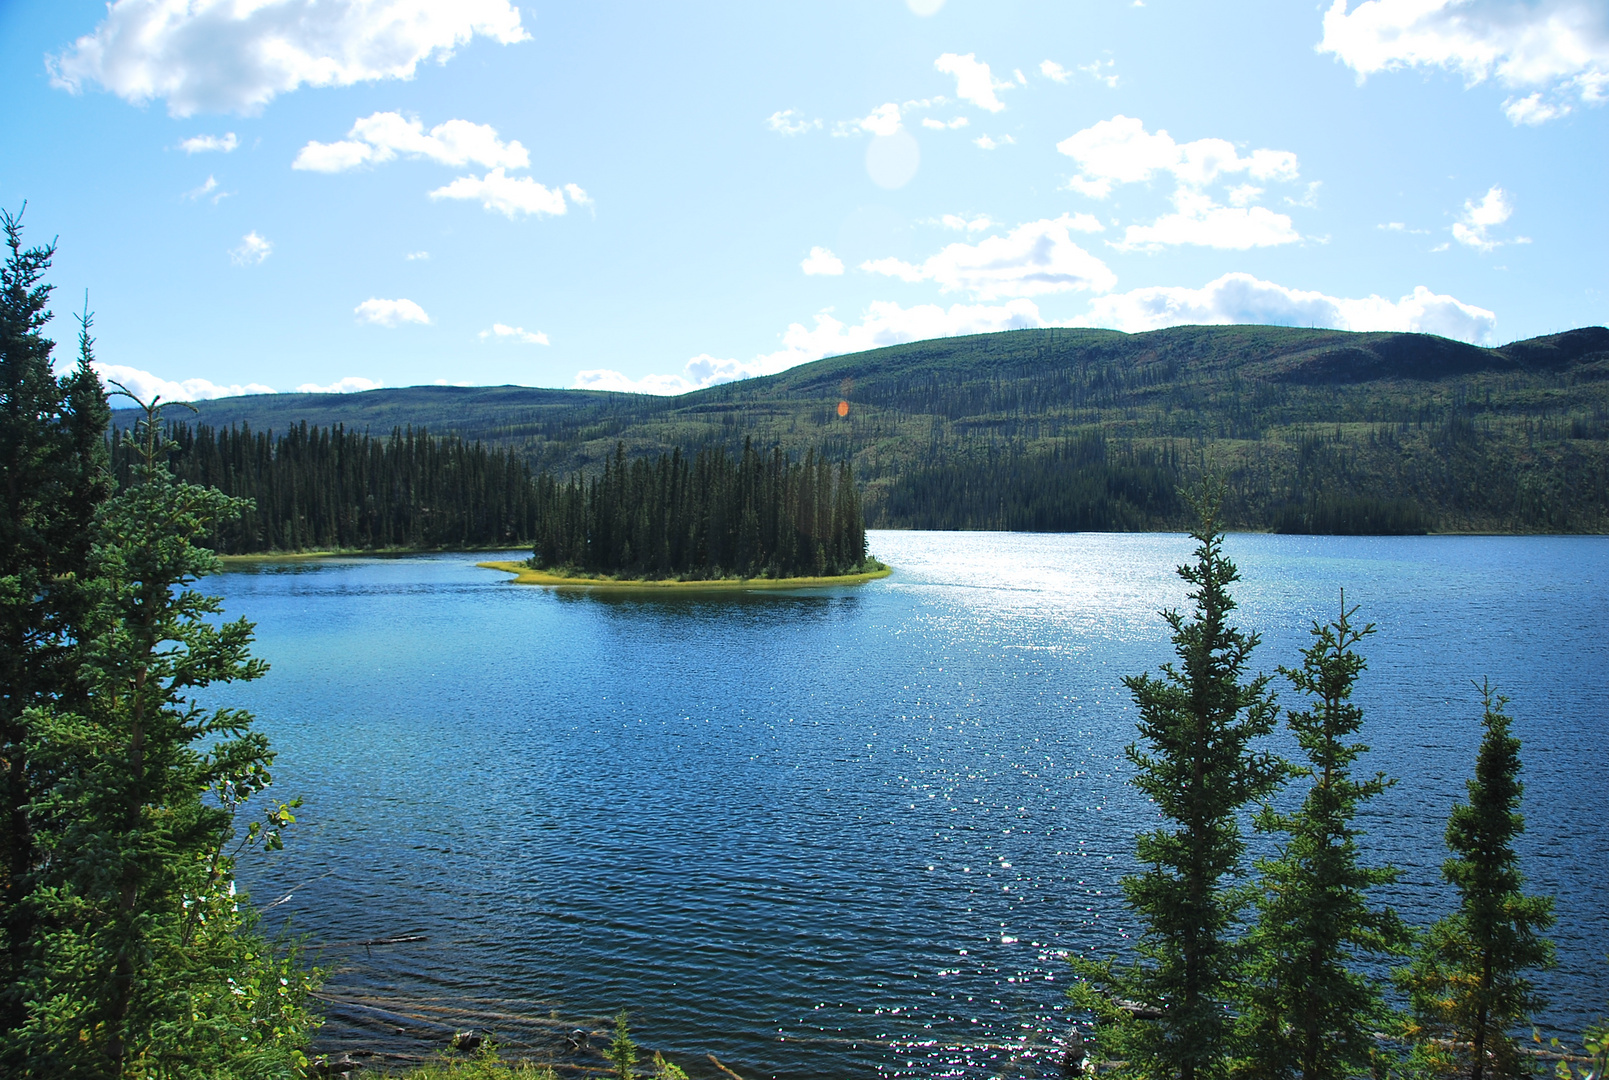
{"type": "Point", "coordinates": [1319, 430]}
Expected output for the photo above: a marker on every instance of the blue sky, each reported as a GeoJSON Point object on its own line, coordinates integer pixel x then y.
{"type": "Point", "coordinates": [346, 193]}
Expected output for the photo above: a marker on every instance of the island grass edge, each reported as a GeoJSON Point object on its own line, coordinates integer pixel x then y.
{"type": "Point", "coordinates": [526, 575]}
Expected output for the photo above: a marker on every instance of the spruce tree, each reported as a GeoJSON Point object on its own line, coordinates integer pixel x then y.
{"type": "Point", "coordinates": [1167, 1014]}
{"type": "Point", "coordinates": [52, 477]}
{"type": "Point", "coordinates": [146, 964]}
{"type": "Point", "coordinates": [1308, 1012]}
{"type": "Point", "coordinates": [1467, 984]}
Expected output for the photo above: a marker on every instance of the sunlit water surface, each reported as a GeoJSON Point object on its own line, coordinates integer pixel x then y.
{"type": "Point", "coordinates": [850, 832]}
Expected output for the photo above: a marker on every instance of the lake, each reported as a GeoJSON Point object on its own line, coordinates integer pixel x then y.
{"type": "Point", "coordinates": [850, 832]}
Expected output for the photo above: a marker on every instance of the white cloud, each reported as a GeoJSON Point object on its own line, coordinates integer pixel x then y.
{"type": "Point", "coordinates": [1244, 194]}
{"type": "Point", "coordinates": [390, 312]}
{"type": "Point", "coordinates": [380, 137]}
{"type": "Point", "coordinates": [232, 55]}
{"type": "Point", "coordinates": [201, 144]}
{"type": "Point", "coordinates": [1472, 229]}
{"type": "Point", "coordinates": [1101, 71]}
{"type": "Point", "coordinates": [417, 256]}
{"type": "Point", "coordinates": [1308, 198]}
{"type": "Point", "coordinates": [227, 55]}
{"type": "Point", "coordinates": [1557, 47]}
{"type": "Point", "coordinates": [789, 122]}
{"type": "Point", "coordinates": [207, 187]}
{"type": "Point", "coordinates": [961, 224]}
{"type": "Point", "coordinates": [942, 125]}
{"type": "Point", "coordinates": [1054, 71]}
{"type": "Point", "coordinates": [146, 386]}
{"type": "Point", "coordinates": [883, 323]}
{"type": "Point", "coordinates": [1532, 110]}
{"type": "Point", "coordinates": [1033, 259]}
{"type": "Point", "coordinates": [508, 195]}
{"type": "Point", "coordinates": [1199, 220]}
{"type": "Point", "coordinates": [883, 120]}
{"type": "Point", "coordinates": [985, 142]}
{"type": "Point", "coordinates": [972, 80]}
{"type": "Point", "coordinates": [578, 195]}
{"type": "Point", "coordinates": [1241, 298]}
{"type": "Point", "coordinates": [253, 250]}
{"type": "Point", "coordinates": [1121, 151]}
{"type": "Point", "coordinates": [502, 331]}
{"type": "Point", "coordinates": [821, 262]}
{"type": "Point", "coordinates": [352, 384]}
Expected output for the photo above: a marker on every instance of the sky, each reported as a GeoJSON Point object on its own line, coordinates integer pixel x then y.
{"type": "Point", "coordinates": [281, 195]}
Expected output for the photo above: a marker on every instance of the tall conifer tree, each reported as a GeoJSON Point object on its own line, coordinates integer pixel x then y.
{"type": "Point", "coordinates": [52, 477]}
{"type": "Point", "coordinates": [147, 966]}
{"type": "Point", "coordinates": [1167, 1015]}
{"type": "Point", "coordinates": [1467, 984]}
{"type": "Point", "coordinates": [1308, 1011]}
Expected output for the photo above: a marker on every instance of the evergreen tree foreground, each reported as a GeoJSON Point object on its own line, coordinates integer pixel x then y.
{"type": "Point", "coordinates": [1467, 987]}
{"type": "Point", "coordinates": [1168, 1013]}
{"type": "Point", "coordinates": [128, 953]}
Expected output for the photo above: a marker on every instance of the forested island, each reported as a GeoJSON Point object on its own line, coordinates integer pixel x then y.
{"type": "Point", "coordinates": [704, 517]}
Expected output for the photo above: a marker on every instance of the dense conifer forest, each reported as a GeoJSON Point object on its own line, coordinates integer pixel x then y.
{"type": "Point", "coordinates": [317, 489]}
{"type": "Point", "coordinates": [708, 516]}
{"type": "Point", "coordinates": [1314, 430]}
{"type": "Point", "coordinates": [700, 515]}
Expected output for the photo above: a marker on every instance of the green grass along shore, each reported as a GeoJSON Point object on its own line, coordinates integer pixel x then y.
{"type": "Point", "coordinates": [525, 574]}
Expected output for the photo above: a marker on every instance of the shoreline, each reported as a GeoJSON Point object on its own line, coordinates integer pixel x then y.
{"type": "Point", "coordinates": [525, 575]}
{"type": "Point", "coordinates": [348, 553]}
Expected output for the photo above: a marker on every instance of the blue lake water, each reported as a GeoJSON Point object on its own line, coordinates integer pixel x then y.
{"type": "Point", "coordinates": [850, 832]}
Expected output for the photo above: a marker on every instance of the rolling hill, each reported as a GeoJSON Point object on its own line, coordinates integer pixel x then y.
{"type": "Point", "coordinates": [1316, 430]}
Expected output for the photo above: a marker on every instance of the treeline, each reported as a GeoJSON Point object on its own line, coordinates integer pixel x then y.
{"type": "Point", "coordinates": [1082, 485]}
{"type": "Point", "coordinates": [706, 516]}
{"type": "Point", "coordinates": [329, 488]}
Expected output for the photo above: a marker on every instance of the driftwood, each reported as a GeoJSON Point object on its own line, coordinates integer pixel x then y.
{"type": "Point", "coordinates": [723, 1068]}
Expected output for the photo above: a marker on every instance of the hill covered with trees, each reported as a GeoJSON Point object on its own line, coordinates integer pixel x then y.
{"type": "Point", "coordinates": [1060, 429]}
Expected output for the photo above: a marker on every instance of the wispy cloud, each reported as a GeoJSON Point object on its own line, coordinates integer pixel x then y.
{"type": "Point", "coordinates": [251, 251]}
{"type": "Point", "coordinates": [203, 144]}
{"type": "Point", "coordinates": [1101, 71]}
{"type": "Point", "coordinates": [1473, 228]}
{"type": "Point", "coordinates": [790, 122]}
{"type": "Point", "coordinates": [1033, 259]}
{"type": "Point", "coordinates": [352, 384]}
{"type": "Point", "coordinates": [518, 334]}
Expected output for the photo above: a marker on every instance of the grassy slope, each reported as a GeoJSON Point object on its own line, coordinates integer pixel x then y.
{"type": "Point", "coordinates": [1510, 439]}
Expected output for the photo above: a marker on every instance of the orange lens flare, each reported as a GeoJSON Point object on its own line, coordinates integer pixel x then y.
{"type": "Point", "coordinates": [843, 408]}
